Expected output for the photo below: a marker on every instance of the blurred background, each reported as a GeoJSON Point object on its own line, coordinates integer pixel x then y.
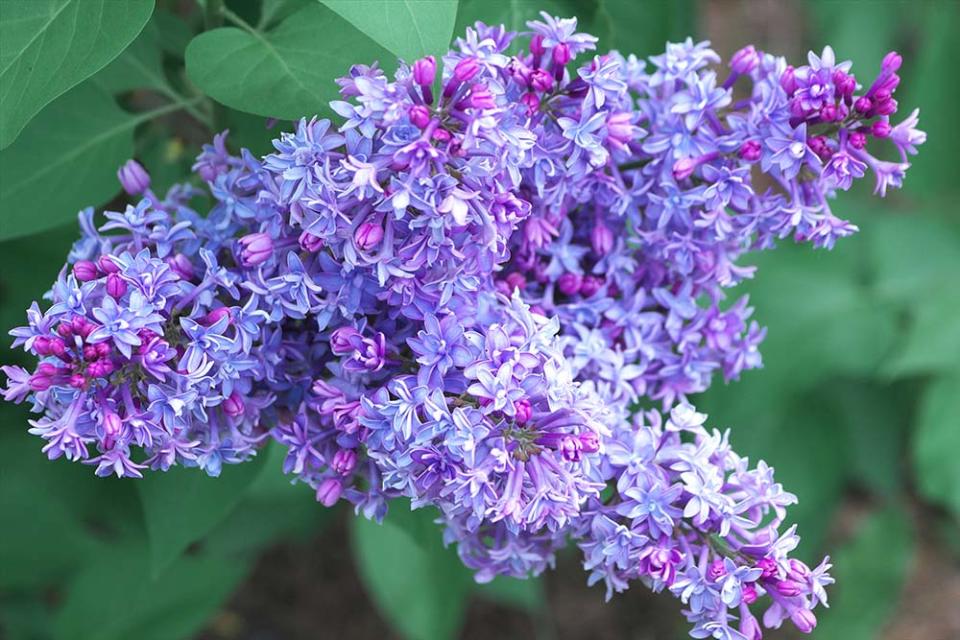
{"type": "Point", "coordinates": [857, 407]}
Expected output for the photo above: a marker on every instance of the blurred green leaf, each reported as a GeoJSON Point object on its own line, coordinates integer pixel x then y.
{"type": "Point", "coordinates": [822, 318]}
{"type": "Point", "coordinates": [913, 255]}
{"type": "Point", "coordinates": [280, 73]}
{"type": "Point", "coordinates": [183, 505]}
{"type": "Point", "coordinates": [420, 586]}
{"type": "Point", "coordinates": [932, 342]}
{"type": "Point", "coordinates": [49, 46]}
{"type": "Point", "coordinates": [115, 598]}
{"type": "Point", "coordinates": [409, 29]}
{"type": "Point", "coordinates": [870, 571]}
{"type": "Point", "coordinates": [528, 595]}
{"type": "Point", "coordinates": [642, 27]}
{"type": "Point", "coordinates": [139, 67]}
{"type": "Point", "coordinates": [937, 441]}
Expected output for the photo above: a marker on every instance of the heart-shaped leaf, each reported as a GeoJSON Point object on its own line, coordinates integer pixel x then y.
{"type": "Point", "coordinates": [287, 72]}
{"type": "Point", "coordinates": [409, 29]}
{"type": "Point", "coordinates": [49, 46]}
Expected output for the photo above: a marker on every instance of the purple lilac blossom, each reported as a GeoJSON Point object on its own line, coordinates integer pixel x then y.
{"type": "Point", "coordinates": [461, 297]}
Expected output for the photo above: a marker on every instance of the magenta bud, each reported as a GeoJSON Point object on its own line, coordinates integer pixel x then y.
{"type": "Point", "coordinates": [77, 381]}
{"type": "Point", "coordinates": [620, 128]}
{"type": "Point", "coordinates": [768, 566]}
{"type": "Point", "coordinates": [887, 107]}
{"type": "Point", "coordinates": [751, 151]}
{"type": "Point", "coordinates": [590, 442]}
{"type": "Point", "coordinates": [857, 140]}
{"type": "Point", "coordinates": [116, 287]}
{"type": "Point", "coordinates": [41, 346]}
{"type": "Point", "coordinates": [181, 265]}
{"type": "Point", "coordinates": [133, 178]}
{"type": "Point", "coordinates": [112, 424]}
{"type": "Point", "coordinates": [81, 326]}
{"type": "Point", "coordinates": [684, 168]}
{"type": "Point", "coordinates": [255, 249]}
{"type": "Point", "coordinates": [716, 570]}
{"type": "Point", "coordinates": [828, 113]}
{"type": "Point", "coordinates": [569, 448]}
{"type": "Point", "coordinates": [804, 620]}
{"type": "Point", "coordinates": [891, 61]}
{"type": "Point", "coordinates": [516, 281]}
{"type": "Point", "coordinates": [590, 285]}
{"type": "Point", "coordinates": [103, 349]}
{"type": "Point", "coordinates": [425, 70]}
{"type": "Point", "coordinates": [531, 101]}
{"type": "Point", "coordinates": [344, 461]}
{"type": "Point", "coordinates": [216, 315]}
{"type": "Point", "coordinates": [343, 340]}
{"type": "Point", "coordinates": [65, 329]}
{"type": "Point", "coordinates": [107, 265]}
{"type": "Point", "coordinates": [90, 352]}
{"type": "Point", "coordinates": [749, 593]}
{"type": "Point", "coordinates": [329, 492]}
{"type": "Point", "coordinates": [84, 270]}
{"type": "Point", "coordinates": [561, 54]}
{"type": "Point", "coordinates": [466, 69]}
{"type": "Point", "coordinates": [233, 406]}
{"type": "Point", "coordinates": [419, 116]}
{"type": "Point", "coordinates": [39, 382]}
{"type": "Point", "coordinates": [788, 81]}
{"type": "Point", "coordinates": [881, 129]}
{"type": "Point", "coordinates": [536, 45]}
{"type": "Point", "coordinates": [601, 238]}
{"type": "Point", "coordinates": [523, 411]}
{"type": "Point", "coordinates": [789, 588]}
{"type": "Point", "coordinates": [863, 104]}
{"type": "Point", "coordinates": [569, 283]}
{"type": "Point", "coordinates": [368, 236]}
{"type": "Point", "coordinates": [540, 80]}
{"type": "Point", "coordinates": [745, 60]}
{"type": "Point", "coordinates": [310, 242]}
{"type": "Point", "coordinates": [57, 346]}
{"type": "Point", "coordinates": [480, 97]}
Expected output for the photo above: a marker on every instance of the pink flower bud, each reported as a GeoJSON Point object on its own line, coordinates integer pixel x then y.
{"type": "Point", "coordinates": [536, 45]}
{"type": "Point", "coordinates": [425, 70]}
{"type": "Point", "coordinates": [857, 140]}
{"type": "Point", "coordinates": [569, 283]}
{"type": "Point", "coordinates": [541, 81]}
{"type": "Point", "coordinates": [329, 492]}
{"type": "Point", "coordinates": [684, 168]}
{"type": "Point", "coordinates": [233, 406]}
{"type": "Point", "coordinates": [103, 349]}
{"type": "Point", "coordinates": [751, 151]}
{"type": "Point", "coordinates": [531, 101]}
{"type": "Point", "coordinates": [419, 116]}
{"type": "Point", "coordinates": [804, 620]}
{"type": "Point", "coordinates": [590, 285]}
{"type": "Point", "coordinates": [368, 236]}
{"type": "Point", "coordinates": [523, 411]}
{"type": "Point", "coordinates": [216, 315]}
{"type": "Point", "coordinates": [116, 287]}
{"type": "Point", "coordinates": [84, 270]}
{"type": "Point", "coordinates": [81, 326]}
{"type": "Point", "coordinates": [745, 60]}
{"type": "Point", "coordinates": [310, 242]}
{"type": "Point", "coordinates": [466, 69]}
{"type": "Point", "coordinates": [77, 381]}
{"type": "Point", "coordinates": [57, 346]}
{"type": "Point", "coordinates": [255, 249]}
{"type": "Point", "coordinates": [107, 265]}
{"type": "Point", "coordinates": [344, 461]}
{"type": "Point", "coordinates": [863, 104]}
{"type": "Point", "coordinates": [480, 97]}
{"type": "Point", "coordinates": [133, 178]}
{"type": "Point", "coordinates": [891, 61]}
{"type": "Point", "coordinates": [181, 265]}
{"type": "Point", "coordinates": [344, 341]}
{"type": "Point", "coordinates": [881, 129]}
{"type": "Point", "coordinates": [788, 81]}
{"type": "Point", "coordinates": [41, 346]}
{"type": "Point", "coordinates": [590, 442]}
{"type": "Point", "coordinates": [561, 54]}
{"type": "Point", "coordinates": [516, 281]}
{"type": "Point", "coordinates": [39, 382]}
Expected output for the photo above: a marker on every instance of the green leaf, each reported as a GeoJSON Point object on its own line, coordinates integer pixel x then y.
{"type": "Point", "coordinates": [139, 67]}
{"type": "Point", "coordinates": [870, 572]}
{"type": "Point", "coordinates": [183, 505]}
{"type": "Point", "coordinates": [420, 586]}
{"type": "Point", "coordinates": [66, 159]}
{"type": "Point", "coordinates": [287, 72]}
{"type": "Point", "coordinates": [115, 597]}
{"type": "Point", "coordinates": [409, 29]}
{"type": "Point", "coordinates": [527, 595]}
{"type": "Point", "coordinates": [932, 342]}
{"type": "Point", "coordinates": [49, 46]}
{"type": "Point", "coordinates": [937, 441]}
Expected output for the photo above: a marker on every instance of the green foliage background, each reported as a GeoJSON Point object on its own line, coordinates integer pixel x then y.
{"type": "Point", "coordinates": [858, 401]}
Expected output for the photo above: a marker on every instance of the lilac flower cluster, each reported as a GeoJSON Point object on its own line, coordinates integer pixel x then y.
{"type": "Point", "coordinates": [462, 294]}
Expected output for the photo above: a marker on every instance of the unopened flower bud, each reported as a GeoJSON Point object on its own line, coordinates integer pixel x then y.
{"type": "Point", "coordinates": [804, 620]}
{"type": "Point", "coordinates": [751, 151]}
{"type": "Point", "coordinates": [419, 116]}
{"type": "Point", "coordinates": [329, 492]}
{"type": "Point", "coordinates": [891, 61]}
{"type": "Point", "coordinates": [590, 285]}
{"type": "Point", "coordinates": [85, 270]}
{"type": "Point", "coordinates": [133, 178]}
{"type": "Point", "coordinates": [541, 81]}
{"type": "Point", "coordinates": [368, 236]}
{"type": "Point", "coordinates": [569, 283]}
{"type": "Point", "coordinates": [863, 104]}
{"type": "Point", "coordinates": [181, 265]}
{"type": "Point", "coordinates": [255, 249]}
{"type": "Point", "coordinates": [523, 411]}
{"type": "Point", "coordinates": [880, 129]}
{"type": "Point", "coordinates": [233, 406]}
{"type": "Point", "coordinates": [116, 287]}
{"type": "Point", "coordinates": [107, 265]}
{"type": "Point", "coordinates": [561, 54]}
{"type": "Point", "coordinates": [344, 461]}
{"type": "Point", "coordinates": [425, 70]}
{"type": "Point", "coordinates": [745, 60]}
{"type": "Point", "coordinates": [466, 69]}
{"type": "Point", "coordinates": [601, 238]}
{"type": "Point", "coordinates": [310, 242]}
{"type": "Point", "coordinates": [344, 340]}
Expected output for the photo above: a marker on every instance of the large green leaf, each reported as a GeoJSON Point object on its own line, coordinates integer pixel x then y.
{"type": "Point", "coordinates": [937, 442]}
{"type": "Point", "coordinates": [420, 586]}
{"type": "Point", "coordinates": [870, 572]}
{"type": "Point", "coordinates": [287, 72]}
{"type": "Point", "coordinates": [48, 46]}
{"type": "Point", "coordinates": [139, 67]}
{"type": "Point", "coordinates": [66, 159]}
{"type": "Point", "coordinates": [409, 29]}
{"type": "Point", "coordinates": [115, 597]}
{"type": "Point", "coordinates": [183, 505]}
